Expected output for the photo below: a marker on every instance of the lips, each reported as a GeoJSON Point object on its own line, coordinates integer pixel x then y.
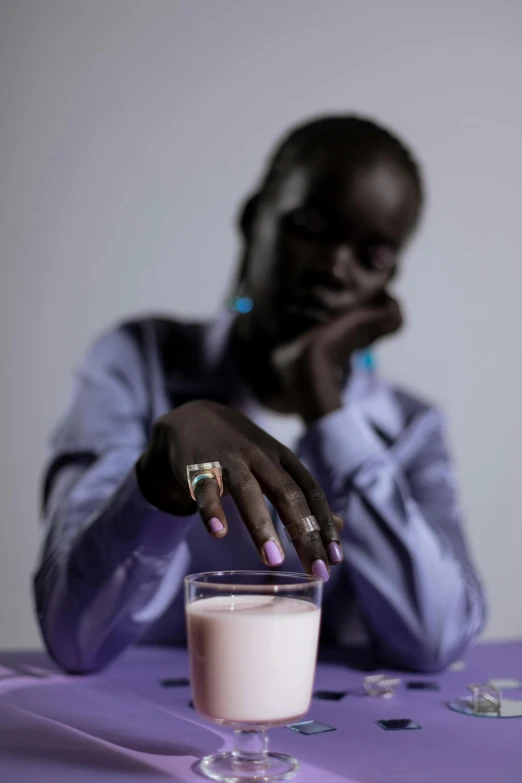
{"type": "Point", "coordinates": [323, 300]}
{"type": "Point", "coordinates": [309, 312]}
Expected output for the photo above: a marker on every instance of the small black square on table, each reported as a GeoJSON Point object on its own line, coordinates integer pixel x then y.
{"type": "Point", "coordinates": [310, 727]}
{"type": "Point", "coordinates": [423, 685]}
{"type": "Point", "coordinates": [397, 724]}
{"type": "Point", "coordinates": [330, 695]}
{"type": "Point", "coordinates": [180, 682]}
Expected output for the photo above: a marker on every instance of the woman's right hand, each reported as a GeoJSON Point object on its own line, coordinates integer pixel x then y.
{"type": "Point", "coordinates": [310, 369]}
{"type": "Point", "coordinates": [254, 464]}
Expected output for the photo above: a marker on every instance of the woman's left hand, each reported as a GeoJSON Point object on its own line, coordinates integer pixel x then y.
{"type": "Point", "coordinates": [310, 369]}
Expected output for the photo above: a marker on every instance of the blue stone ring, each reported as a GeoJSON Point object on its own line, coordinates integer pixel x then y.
{"type": "Point", "coordinates": [205, 470]}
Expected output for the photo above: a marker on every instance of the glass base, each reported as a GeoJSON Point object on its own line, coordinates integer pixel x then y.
{"type": "Point", "coordinates": [233, 767]}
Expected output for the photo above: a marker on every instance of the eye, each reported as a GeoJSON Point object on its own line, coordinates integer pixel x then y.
{"type": "Point", "coordinates": [308, 221]}
{"type": "Point", "coordinates": [381, 257]}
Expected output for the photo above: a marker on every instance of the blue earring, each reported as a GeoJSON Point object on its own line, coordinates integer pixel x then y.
{"type": "Point", "coordinates": [241, 304]}
{"type": "Point", "coordinates": [365, 360]}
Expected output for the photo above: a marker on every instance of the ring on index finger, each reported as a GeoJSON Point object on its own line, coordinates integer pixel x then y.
{"type": "Point", "coordinates": [205, 470]}
{"type": "Point", "coordinates": [303, 528]}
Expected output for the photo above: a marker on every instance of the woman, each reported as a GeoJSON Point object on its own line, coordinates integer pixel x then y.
{"type": "Point", "coordinates": [322, 239]}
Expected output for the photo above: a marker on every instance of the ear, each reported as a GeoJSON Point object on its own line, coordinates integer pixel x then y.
{"type": "Point", "coordinates": [248, 215]}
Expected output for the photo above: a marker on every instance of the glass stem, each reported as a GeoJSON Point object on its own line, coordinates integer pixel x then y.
{"type": "Point", "coordinates": [250, 748]}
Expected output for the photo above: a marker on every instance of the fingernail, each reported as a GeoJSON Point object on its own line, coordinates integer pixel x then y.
{"type": "Point", "coordinates": [216, 525]}
{"type": "Point", "coordinates": [272, 553]}
{"type": "Point", "coordinates": [335, 554]}
{"type": "Point", "coordinates": [319, 569]}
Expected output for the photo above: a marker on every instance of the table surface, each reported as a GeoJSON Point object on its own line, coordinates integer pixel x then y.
{"type": "Point", "coordinates": [123, 725]}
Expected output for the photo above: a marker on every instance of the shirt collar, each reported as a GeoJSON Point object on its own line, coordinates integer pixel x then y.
{"type": "Point", "coordinates": [376, 401]}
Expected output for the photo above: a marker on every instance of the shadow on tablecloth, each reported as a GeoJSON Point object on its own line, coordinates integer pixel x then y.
{"type": "Point", "coordinates": [105, 712]}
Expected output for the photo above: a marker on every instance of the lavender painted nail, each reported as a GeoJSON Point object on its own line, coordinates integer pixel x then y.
{"type": "Point", "coordinates": [319, 569]}
{"type": "Point", "coordinates": [335, 554]}
{"type": "Point", "coordinates": [272, 554]}
{"type": "Point", "coordinates": [215, 525]}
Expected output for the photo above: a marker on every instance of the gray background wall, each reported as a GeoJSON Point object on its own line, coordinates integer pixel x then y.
{"type": "Point", "coordinates": [129, 130]}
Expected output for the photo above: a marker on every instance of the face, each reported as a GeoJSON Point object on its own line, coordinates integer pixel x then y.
{"type": "Point", "coordinates": [329, 238]}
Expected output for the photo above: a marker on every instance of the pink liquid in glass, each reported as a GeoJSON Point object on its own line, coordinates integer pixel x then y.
{"type": "Point", "coordinates": [252, 657]}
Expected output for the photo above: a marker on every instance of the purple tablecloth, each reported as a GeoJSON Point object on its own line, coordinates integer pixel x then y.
{"type": "Point", "coordinates": [124, 726]}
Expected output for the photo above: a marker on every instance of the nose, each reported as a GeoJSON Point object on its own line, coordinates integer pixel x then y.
{"type": "Point", "coordinates": [343, 266]}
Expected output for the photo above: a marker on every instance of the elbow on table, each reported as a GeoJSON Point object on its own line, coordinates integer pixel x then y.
{"type": "Point", "coordinates": [436, 653]}
{"type": "Point", "coordinates": [429, 662]}
{"type": "Point", "coordinates": [73, 664]}
{"type": "Point", "coordinates": [426, 656]}
{"type": "Point", "coordinates": [60, 632]}
{"type": "Point", "coordinates": [63, 647]}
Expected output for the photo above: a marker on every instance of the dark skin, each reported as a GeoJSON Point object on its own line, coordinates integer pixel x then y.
{"type": "Point", "coordinates": [319, 259]}
{"type": "Point", "coordinates": [320, 250]}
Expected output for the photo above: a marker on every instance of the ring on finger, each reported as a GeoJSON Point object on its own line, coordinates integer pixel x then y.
{"type": "Point", "coordinates": [204, 470]}
{"type": "Point", "coordinates": [304, 527]}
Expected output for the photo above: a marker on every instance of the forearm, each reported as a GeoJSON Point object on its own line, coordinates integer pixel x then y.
{"type": "Point", "coordinates": [422, 606]}
{"type": "Point", "coordinates": [100, 573]}
{"type": "Point", "coordinates": [407, 564]}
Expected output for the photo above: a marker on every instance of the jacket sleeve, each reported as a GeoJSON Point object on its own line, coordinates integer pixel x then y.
{"type": "Point", "coordinates": [106, 552]}
{"type": "Point", "coordinates": [403, 539]}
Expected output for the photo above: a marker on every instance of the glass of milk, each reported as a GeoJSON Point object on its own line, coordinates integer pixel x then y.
{"type": "Point", "coordinates": [253, 638]}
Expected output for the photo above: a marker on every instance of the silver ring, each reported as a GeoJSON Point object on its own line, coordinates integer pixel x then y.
{"type": "Point", "coordinates": [211, 470]}
{"type": "Point", "coordinates": [304, 527]}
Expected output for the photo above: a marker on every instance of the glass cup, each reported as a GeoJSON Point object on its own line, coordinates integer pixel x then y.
{"type": "Point", "coordinates": [253, 638]}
